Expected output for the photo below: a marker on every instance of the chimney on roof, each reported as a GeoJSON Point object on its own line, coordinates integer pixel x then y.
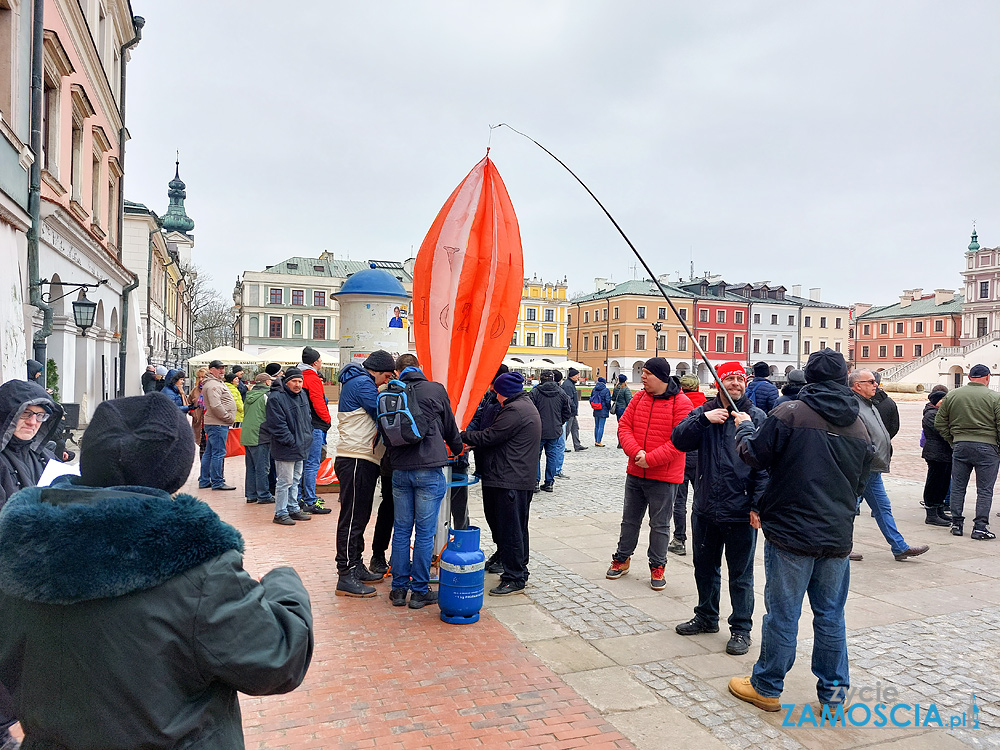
{"type": "Point", "coordinates": [917, 293]}
{"type": "Point", "coordinates": [941, 296]}
{"type": "Point", "coordinates": [599, 283]}
{"type": "Point", "coordinates": [796, 290]}
{"type": "Point", "coordinates": [906, 298]}
{"type": "Point", "coordinates": [814, 293]}
{"type": "Point", "coordinates": [860, 308]}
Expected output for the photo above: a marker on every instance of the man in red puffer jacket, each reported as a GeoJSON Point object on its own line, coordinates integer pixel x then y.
{"type": "Point", "coordinates": [655, 467]}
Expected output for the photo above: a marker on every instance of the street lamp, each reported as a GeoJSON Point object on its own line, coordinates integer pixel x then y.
{"type": "Point", "coordinates": [657, 326]}
{"type": "Point", "coordinates": [84, 311]}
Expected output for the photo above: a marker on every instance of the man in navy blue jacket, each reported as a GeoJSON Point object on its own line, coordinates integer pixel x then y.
{"type": "Point", "coordinates": [761, 391]}
{"type": "Point", "coordinates": [288, 427]}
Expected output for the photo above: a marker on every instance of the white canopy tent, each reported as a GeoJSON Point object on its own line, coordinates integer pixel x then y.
{"type": "Point", "coordinates": [283, 355]}
{"type": "Point", "coordinates": [568, 363]}
{"type": "Point", "coordinates": [228, 355]}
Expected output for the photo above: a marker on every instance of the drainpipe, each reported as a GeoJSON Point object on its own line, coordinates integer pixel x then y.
{"type": "Point", "coordinates": [123, 342]}
{"type": "Point", "coordinates": [35, 188]}
{"type": "Point", "coordinates": [149, 291]}
{"type": "Point", "coordinates": [138, 22]}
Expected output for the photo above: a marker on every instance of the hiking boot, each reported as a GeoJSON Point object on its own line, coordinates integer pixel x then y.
{"type": "Point", "coordinates": [283, 521]}
{"type": "Point", "coordinates": [349, 585]}
{"type": "Point", "coordinates": [956, 528]}
{"type": "Point", "coordinates": [912, 552]}
{"type": "Point", "coordinates": [546, 488]}
{"type": "Point", "coordinates": [695, 626]}
{"type": "Point", "coordinates": [982, 533]}
{"type": "Point", "coordinates": [933, 519]}
{"type": "Point", "coordinates": [378, 565]}
{"type": "Point", "coordinates": [506, 588]}
{"type": "Point", "coordinates": [419, 601]}
{"type": "Point", "coordinates": [739, 644]}
{"type": "Point", "coordinates": [367, 576]}
{"type": "Point", "coordinates": [617, 569]}
{"type": "Point", "coordinates": [677, 547]}
{"type": "Point", "coordinates": [300, 516]}
{"type": "Point", "coordinates": [741, 688]}
{"type": "Point", "coordinates": [656, 581]}
{"type": "Point", "coordinates": [397, 597]}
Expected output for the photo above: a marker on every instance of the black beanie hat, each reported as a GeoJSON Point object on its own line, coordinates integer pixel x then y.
{"type": "Point", "coordinates": [501, 370]}
{"type": "Point", "coordinates": [659, 367]}
{"type": "Point", "coordinates": [291, 373]}
{"type": "Point", "coordinates": [936, 396]}
{"type": "Point", "coordinates": [545, 376]}
{"type": "Point", "coordinates": [571, 372]}
{"type": "Point", "coordinates": [309, 355]}
{"type": "Point", "coordinates": [139, 440]}
{"type": "Point", "coordinates": [761, 370]}
{"type": "Point", "coordinates": [826, 365]}
{"type": "Point", "coordinates": [273, 369]}
{"type": "Point", "coordinates": [557, 376]}
{"type": "Point", "coordinates": [380, 361]}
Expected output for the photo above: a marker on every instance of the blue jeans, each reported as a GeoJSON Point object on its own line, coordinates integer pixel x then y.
{"type": "Point", "coordinates": [561, 450]}
{"type": "Point", "coordinates": [549, 447]}
{"type": "Point", "coordinates": [213, 459]}
{"type": "Point", "coordinates": [874, 493]}
{"type": "Point", "coordinates": [789, 578]}
{"type": "Point", "coordinates": [416, 495]}
{"type": "Point", "coordinates": [287, 488]}
{"type": "Point", "coordinates": [258, 462]}
{"type": "Point", "coordinates": [599, 428]}
{"type": "Point", "coordinates": [311, 466]}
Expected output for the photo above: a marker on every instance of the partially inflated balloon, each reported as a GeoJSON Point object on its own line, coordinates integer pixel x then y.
{"type": "Point", "coordinates": [467, 285]}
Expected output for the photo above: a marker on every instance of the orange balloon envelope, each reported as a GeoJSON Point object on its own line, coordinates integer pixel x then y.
{"type": "Point", "coordinates": [467, 285]}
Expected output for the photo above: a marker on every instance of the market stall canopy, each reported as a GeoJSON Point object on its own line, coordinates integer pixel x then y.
{"type": "Point", "coordinates": [565, 364]}
{"type": "Point", "coordinates": [514, 363]}
{"type": "Point", "coordinates": [540, 364]}
{"type": "Point", "coordinates": [226, 354]}
{"type": "Point", "coordinates": [291, 355]}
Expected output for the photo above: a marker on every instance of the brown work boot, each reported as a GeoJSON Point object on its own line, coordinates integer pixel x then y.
{"type": "Point", "coordinates": [741, 688]}
{"type": "Point", "coordinates": [617, 569]}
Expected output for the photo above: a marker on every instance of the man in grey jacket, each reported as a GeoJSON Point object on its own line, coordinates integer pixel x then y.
{"type": "Point", "coordinates": [862, 382]}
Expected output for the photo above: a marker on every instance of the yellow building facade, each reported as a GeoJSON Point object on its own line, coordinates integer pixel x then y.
{"type": "Point", "coordinates": [542, 322]}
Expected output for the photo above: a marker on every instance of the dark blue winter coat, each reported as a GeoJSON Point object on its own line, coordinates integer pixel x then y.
{"type": "Point", "coordinates": [763, 393]}
{"type": "Point", "coordinates": [170, 389]}
{"type": "Point", "coordinates": [287, 425]}
{"type": "Point", "coordinates": [601, 389]}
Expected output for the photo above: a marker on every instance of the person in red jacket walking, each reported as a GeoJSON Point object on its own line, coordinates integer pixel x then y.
{"type": "Point", "coordinates": [655, 467]}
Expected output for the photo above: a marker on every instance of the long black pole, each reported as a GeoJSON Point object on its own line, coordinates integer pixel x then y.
{"type": "Point", "coordinates": [691, 336]}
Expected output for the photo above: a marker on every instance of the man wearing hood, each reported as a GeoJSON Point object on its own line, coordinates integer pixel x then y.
{"type": "Point", "coordinates": [817, 453]}
{"type": "Point", "coordinates": [286, 429]}
{"type": "Point", "coordinates": [173, 389]}
{"type": "Point", "coordinates": [151, 627]}
{"type": "Point", "coordinates": [655, 468]}
{"type": "Point", "coordinates": [726, 498]}
{"type": "Point", "coordinates": [359, 453]}
{"type": "Point", "coordinates": [761, 391]}
{"type": "Point", "coordinates": [29, 419]}
{"type": "Point", "coordinates": [35, 372]}
{"type": "Point", "coordinates": [600, 403]}
{"type": "Point", "coordinates": [554, 410]}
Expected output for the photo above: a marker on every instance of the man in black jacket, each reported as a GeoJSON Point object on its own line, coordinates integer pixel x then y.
{"type": "Point", "coordinates": [572, 426]}
{"type": "Point", "coordinates": [505, 454]}
{"type": "Point", "coordinates": [887, 408]}
{"type": "Point", "coordinates": [288, 429]}
{"type": "Point", "coordinates": [554, 410]}
{"type": "Point", "coordinates": [817, 454]}
{"type": "Point", "coordinates": [418, 485]}
{"type": "Point", "coordinates": [726, 498]}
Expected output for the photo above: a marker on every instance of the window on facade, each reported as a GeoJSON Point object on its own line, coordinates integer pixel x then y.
{"type": "Point", "coordinates": [274, 327]}
{"type": "Point", "coordinates": [807, 321]}
{"type": "Point", "coordinates": [770, 346]}
{"type": "Point", "coordinates": [569, 318]}
{"type": "Point", "coordinates": [298, 297]}
{"type": "Point", "coordinates": [866, 330]}
{"type": "Point", "coordinates": [604, 313]}
{"type": "Point", "coordinates": [586, 343]}
{"type": "Point", "coordinates": [684, 313]}
{"type": "Point", "coordinates": [738, 317]}
{"type": "Point", "coordinates": [791, 320]}
{"type": "Point", "coordinates": [604, 341]}
{"type": "Point", "coordinates": [984, 289]}
{"type": "Point", "coordinates": [529, 313]}
{"type": "Point", "coordinates": [297, 328]}
{"type": "Point", "coordinates": [703, 342]}
{"type": "Point", "coordinates": [597, 343]}
{"type": "Point", "coordinates": [720, 343]}
{"type": "Point", "coordinates": [661, 313]}
{"type": "Point", "coordinates": [640, 341]}
{"type": "Point", "coordinates": [703, 316]}
{"type": "Point", "coordinates": [822, 345]}
{"type": "Point", "coordinates": [881, 352]}
{"type": "Point", "coordinates": [918, 326]}
{"type": "Point", "coordinates": [569, 342]}
{"type": "Point", "coordinates": [918, 350]}
{"type": "Point", "coordinates": [319, 329]}
{"type": "Point", "coordinates": [883, 329]}
{"type": "Point", "coordinates": [864, 352]}
{"type": "Point", "coordinates": [737, 344]}
{"type": "Point", "coordinates": [661, 341]}
{"type": "Point", "coordinates": [550, 315]}
{"type": "Point", "coordinates": [899, 327]}
{"type": "Point", "coordinates": [615, 314]}
{"type": "Point", "coordinates": [682, 343]}
{"type": "Point", "coordinates": [614, 341]}
{"type": "Point", "coordinates": [640, 312]}
{"type": "Point", "coordinates": [76, 165]}
{"type": "Point", "coordinates": [898, 351]}
{"type": "Point", "coordinates": [529, 339]}
{"type": "Point", "coordinates": [720, 316]}
{"type": "Point", "coordinates": [756, 346]}
{"type": "Point", "coordinates": [586, 316]}
{"type": "Point", "coordinates": [550, 339]}
{"type": "Point", "coordinates": [275, 296]}
{"type": "Point", "coordinates": [806, 346]}
{"type": "Point", "coordinates": [786, 347]}
{"type": "Point", "coordinates": [939, 326]}
{"type": "Point", "coordinates": [50, 127]}
{"type": "Point", "coordinates": [756, 319]}
{"type": "Point", "coordinates": [319, 299]}
{"type": "Point", "coordinates": [837, 323]}
{"type": "Point", "coordinates": [982, 327]}
{"type": "Point", "coordinates": [513, 339]}
{"type": "Point", "coordinates": [95, 189]}
{"type": "Point", "coordinates": [822, 322]}
{"type": "Point", "coordinates": [774, 320]}
{"type": "Point", "coordinates": [112, 210]}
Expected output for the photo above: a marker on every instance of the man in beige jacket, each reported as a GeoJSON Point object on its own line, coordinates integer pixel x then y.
{"type": "Point", "coordinates": [220, 413]}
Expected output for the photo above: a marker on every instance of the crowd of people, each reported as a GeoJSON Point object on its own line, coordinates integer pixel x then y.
{"type": "Point", "coordinates": [795, 464]}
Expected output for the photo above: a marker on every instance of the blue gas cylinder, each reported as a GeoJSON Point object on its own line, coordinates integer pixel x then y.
{"type": "Point", "coordinates": [462, 574]}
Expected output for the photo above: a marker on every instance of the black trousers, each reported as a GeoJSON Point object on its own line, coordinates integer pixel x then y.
{"type": "Point", "coordinates": [937, 483]}
{"type": "Point", "coordinates": [386, 512]}
{"type": "Point", "coordinates": [510, 509]}
{"type": "Point", "coordinates": [357, 493]}
{"type": "Point", "coordinates": [739, 541]}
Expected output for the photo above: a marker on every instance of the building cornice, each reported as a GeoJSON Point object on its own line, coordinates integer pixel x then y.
{"type": "Point", "coordinates": [65, 235]}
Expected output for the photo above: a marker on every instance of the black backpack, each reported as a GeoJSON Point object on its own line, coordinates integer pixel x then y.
{"type": "Point", "coordinates": [399, 418]}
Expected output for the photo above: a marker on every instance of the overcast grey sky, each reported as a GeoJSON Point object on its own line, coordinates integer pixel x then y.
{"type": "Point", "coordinates": [844, 145]}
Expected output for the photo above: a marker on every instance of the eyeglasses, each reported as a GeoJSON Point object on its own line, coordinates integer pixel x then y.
{"type": "Point", "coordinates": [38, 416]}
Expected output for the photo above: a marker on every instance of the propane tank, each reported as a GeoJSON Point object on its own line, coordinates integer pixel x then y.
{"type": "Point", "coordinates": [462, 576]}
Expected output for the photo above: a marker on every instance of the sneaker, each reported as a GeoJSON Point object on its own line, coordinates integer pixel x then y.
{"type": "Point", "coordinates": [303, 507]}
{"type": "Point", "coordinates": [677, 547]}
{"type": "Point", "coordinates": [983, 533]}
{"type": "Point", "coordinates": [656, 581]}
{"type": "Point", "coordinates": [300, 516]}
{"type": "Point", "coordinates": [367, 576]}
{"type": "Point", "coordinates": [283, 521]}
{"type": "Point", "coordinates": [316, 509]}
{"type": "Point", "coordinates": [739, 644]}
{"type": "Point", "coordinates": [695, 626]}
{"type": "Point", "coordinates": [349, 585]}
{"type": "Point", "coordinates": [912, 552]}
{"type": "Point", "coordinates": [266, 501]}
{"type": "Point", "coordinates": [581, 448]}
{"type": "Point", "coordinates": [251, 500]}
{"type": "Point", "coordinates": [378, 565]}
{"type": "Point", "coordinates": [397, 597]}
{"type": "Point", "coordinates": [956, 528]}
{"type": "Point", "coordinates": [741, 688]}
{"type": "Point", "coordinates": [546, 488]}
{"type": "Point", "coordinates": [493, 565]}
{"type": "Point", "coordinates": [560, 475]}
{"type": "Point", "coordinates": [617, 569]}
{"type": "Point", "coordinates": [419, 601]}
{"type": "Point", "coordinates": [506, 588]}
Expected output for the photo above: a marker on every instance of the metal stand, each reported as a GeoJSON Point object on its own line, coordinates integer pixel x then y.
{"type": "Point", "coordinates": [442, 532]}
